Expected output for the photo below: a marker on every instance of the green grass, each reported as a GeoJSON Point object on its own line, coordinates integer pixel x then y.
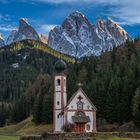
{"type": "Point", "coordinates": [26, 127]}
{"type": "Point", "coordinates": [109, 137]}
{"type": "Point", "coordinates": [9, 137]}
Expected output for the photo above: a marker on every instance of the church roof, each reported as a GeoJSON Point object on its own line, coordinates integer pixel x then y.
{"type": "Point", "coordinates": [80, 119]}
{"type": "Point", "coordinates": [72, 97]}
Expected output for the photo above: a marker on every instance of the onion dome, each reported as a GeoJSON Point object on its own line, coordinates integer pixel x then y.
{"type": "Point", "coordinates": [60, 66]}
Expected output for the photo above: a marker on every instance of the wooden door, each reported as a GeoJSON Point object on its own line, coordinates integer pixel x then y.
{"type": "Point", "coordinates": [80, 127]}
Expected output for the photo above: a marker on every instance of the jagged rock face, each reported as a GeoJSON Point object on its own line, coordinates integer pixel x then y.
{"type": "Point", "coordinates": [25, 31]}
{"type": "Point", "coordinates": [78, 37]}
{"type": "Point", "coordinates": [43, 38]}
{"type": "Point", "coordinates": [12, 37]}
{"type": "Point", "coordinates": [1, 40]}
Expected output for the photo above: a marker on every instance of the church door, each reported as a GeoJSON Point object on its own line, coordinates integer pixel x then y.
{"type": "Point", "coordinates": [80, 127]}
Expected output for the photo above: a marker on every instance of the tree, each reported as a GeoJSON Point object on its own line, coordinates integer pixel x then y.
{"type": "Point", "coordinates": [37, 111]}
{"type": "Point", "coordinates": [83, 74]}
{"type": "Point", "coordinates": [136, 108]}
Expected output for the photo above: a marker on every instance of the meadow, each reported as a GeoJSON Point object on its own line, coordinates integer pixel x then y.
{"type": "Point", "coordinates": [9, 137]}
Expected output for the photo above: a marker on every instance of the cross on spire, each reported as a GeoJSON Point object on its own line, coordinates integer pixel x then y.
{"type": "Point", "coordinates": [79, 97]}
{"type": "Point", "coordinates": [80, 84]}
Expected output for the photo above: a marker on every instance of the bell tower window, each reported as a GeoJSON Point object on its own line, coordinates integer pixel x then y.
{"type": "Point", "coordinates": [58, 103]}
{"type": "Point", "coordinates": [58, 82]}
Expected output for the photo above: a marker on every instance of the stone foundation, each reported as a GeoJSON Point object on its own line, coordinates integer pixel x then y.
{"type": "Point", "coordinates": [81, 136]}
{"type": "Point", "coordinates": [62, 136]}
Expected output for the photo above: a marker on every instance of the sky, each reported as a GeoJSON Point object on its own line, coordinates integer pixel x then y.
{"type": "Point", "coordinates": [44, 15]}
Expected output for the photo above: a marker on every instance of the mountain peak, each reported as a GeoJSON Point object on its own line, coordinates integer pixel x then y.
{"type": "Point", "coordinates": [1, 40]}
{"type": "Point", "coordinates": [23, 21]}
{"type": "Point", "coordinates": [76, 14]}
{"type": "Point", "coordinates": [25, 31]}
{"type": "Point", "coordinates": [110, 19]}
{"type": "Point", "coordinates": [1, 37]}
{"type": "Point", "coordinates": [78, 37]}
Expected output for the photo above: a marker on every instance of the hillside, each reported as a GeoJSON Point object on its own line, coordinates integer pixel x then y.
{"type": "Point", "coordinates": [21, 62]}
{"type": "Point", "coordinates": [25, 127]}
{"type": "Point", "coordinates": [110, 80]}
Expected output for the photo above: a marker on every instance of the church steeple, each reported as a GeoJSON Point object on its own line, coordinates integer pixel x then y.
{"type": "Point", "coordinates": [60, 96]}
{"type": "Point", "coordinates": [60, 66]}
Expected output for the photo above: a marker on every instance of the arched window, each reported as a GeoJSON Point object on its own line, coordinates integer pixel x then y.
{"type": "Point", "coordinates": [58, 102]}
{"type": "Point", "coordinates": [58, 82]}
{"type": "Point", "coordinates": [88, 127]}
{"type": "Point", "coordinates": [80, 105]}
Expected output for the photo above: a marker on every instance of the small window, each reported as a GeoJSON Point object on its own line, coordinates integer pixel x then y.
{"type": "Point", "coordinates": [88, 107]}
{"type": "Point", "coordinates": [57, 116]}
{"type": "Point", "coordinates": [58, 82]}
{"type": "Point", "coordinates": [58, 102]}
{"type": "Point", "coordinates": [80, 105]}
{"type": "Point", "coordinates": [88, 127]}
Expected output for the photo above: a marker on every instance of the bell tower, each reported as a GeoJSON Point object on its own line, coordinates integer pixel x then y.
{"type": "Point", "coordinates": [60, 96]}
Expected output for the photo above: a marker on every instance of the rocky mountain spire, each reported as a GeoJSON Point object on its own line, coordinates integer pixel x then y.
{"type": "Point", "coordinates": [25, 31]}
{"type": "Point", "coordinates": [1, 40]}
{"type": "Point", "coordinates": [78, 37]}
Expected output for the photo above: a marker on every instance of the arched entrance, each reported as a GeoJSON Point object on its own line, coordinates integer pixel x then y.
{"type": "Point", "coordinates": [80, 119]}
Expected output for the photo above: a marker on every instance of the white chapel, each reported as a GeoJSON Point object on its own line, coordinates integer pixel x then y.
{"type": "Point", "coordinates": [79, 110]}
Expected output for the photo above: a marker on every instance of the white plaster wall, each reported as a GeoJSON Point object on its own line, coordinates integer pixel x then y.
{"type": "Point", "coordinates": [65, 83]}
{"type": "Point", "coordinates": [58, 98]}
{"type": "Point", "coordinates": [65, 98]}
{"type": "Point", "coordinates": [69, 116]}
{"type": "Point", "coordinates": [59, 122]}
{"type": "Point", "coordinates": [73, 107]}
{"type": "Point", "coordinates": [75, 100]}
{"type": "Point", "coordinates": [90, 114]}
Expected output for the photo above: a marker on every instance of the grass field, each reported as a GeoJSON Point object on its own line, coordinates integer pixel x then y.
{"type": "Point", "coordinates": [27, 127]}
{"type": "Point", "coordinates": [9, 137]}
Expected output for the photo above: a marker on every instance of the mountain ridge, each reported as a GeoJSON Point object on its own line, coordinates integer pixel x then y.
{"type": "Point", "coordinates": [25, 31]}
{"type": "Point", "coordinates": [78, 37]}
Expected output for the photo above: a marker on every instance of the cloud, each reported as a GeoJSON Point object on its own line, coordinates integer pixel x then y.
{"type": "Point", "coordinates": [4, 18]}
{"type": "Point", "coordinates": [74, 1]}
{"type": "Point", "coordinates": [58, 1]}
{"type": "Point", "coordinates": [5, 23]}
{"type": "Point", "coordinates": [126, 11]}
{"type": "Point", "coordinates": [45, 28]}
{"type": "Point", "coordinates": [6, 28]}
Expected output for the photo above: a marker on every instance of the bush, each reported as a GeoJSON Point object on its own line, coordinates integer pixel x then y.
{"type": "Point", "coordinates": [69, 127]}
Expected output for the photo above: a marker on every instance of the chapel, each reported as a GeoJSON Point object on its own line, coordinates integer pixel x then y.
{"type": "Point", "coordinates": [79, 110]}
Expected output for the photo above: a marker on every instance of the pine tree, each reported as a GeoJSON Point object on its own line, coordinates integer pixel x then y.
{"type": "Point", "coordinates": [136, 108]}
{"type": "Point", "coordinates": [37, 111]}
